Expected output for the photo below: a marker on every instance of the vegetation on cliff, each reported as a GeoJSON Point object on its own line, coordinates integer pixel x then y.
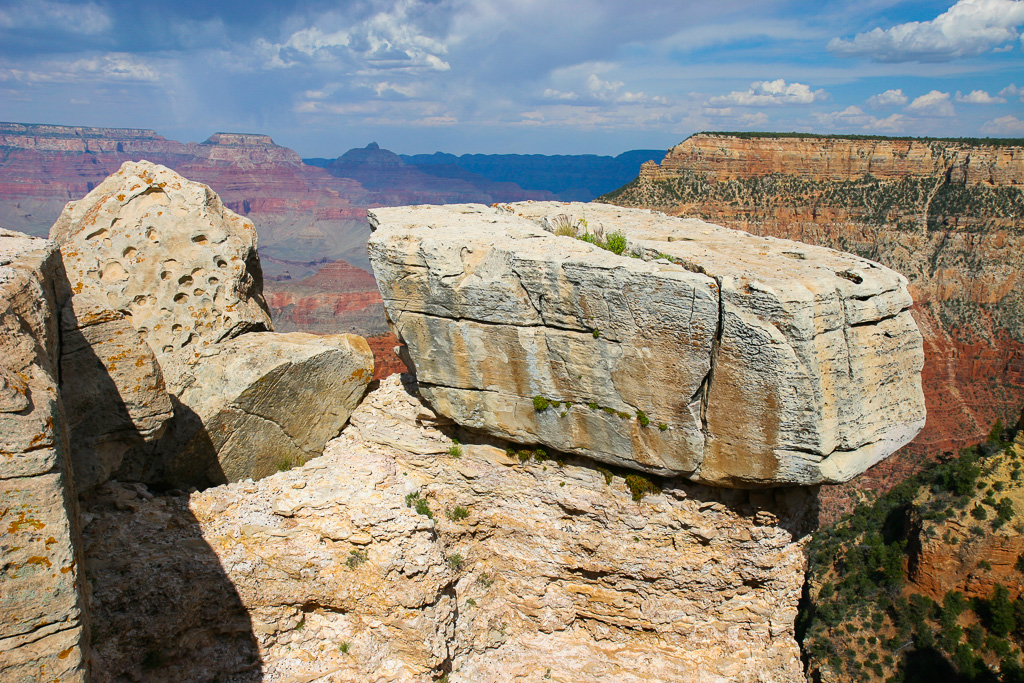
{"type": "Point", "coordinates": [751, 135]}
{"type": "Point", "coordinates": [924, 581]}
{"type": "Point", "coordinates": [910, 203]}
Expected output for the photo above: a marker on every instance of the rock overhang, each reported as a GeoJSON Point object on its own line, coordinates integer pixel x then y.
{"type": "Point", "coordinates": [700, 351]}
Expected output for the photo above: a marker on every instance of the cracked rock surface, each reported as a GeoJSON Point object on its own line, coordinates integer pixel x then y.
{"type": "Point", "coordinates": [523, 570]}
{"type": "Point", "coordinates": [731, 359]}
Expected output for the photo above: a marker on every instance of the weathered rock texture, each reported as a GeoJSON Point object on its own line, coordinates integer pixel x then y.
{"type": "Point", "coordinates": [730, 359]}
{"type": "Point", "coordinates": [167, 252]}
{"type": "Point", "coordinates": [112, 387]}
{"type": "Point", "coordinates": [42, 626]}
{"type": "Point", "coordinates": [166, 283]}
{"type": "Point", "coordinates": [949, 216]}
{"type": "Point", "coordinates": [549, 572]}
{"type": "Point", "coordinates": [255, 404]}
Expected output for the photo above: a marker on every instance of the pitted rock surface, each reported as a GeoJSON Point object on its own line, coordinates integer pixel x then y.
{"type": "Point", "coordinates": [731, 359]}
{"type": "Point", "coordinates": [167, 252]}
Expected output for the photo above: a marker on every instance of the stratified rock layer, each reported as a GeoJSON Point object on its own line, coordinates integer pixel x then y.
{"type": "Point", "coordinates": [165, 251]}
{"type": "Point", "coordinates": [42, 632]}
{"type": "Point", "coordinates": [731, 359]}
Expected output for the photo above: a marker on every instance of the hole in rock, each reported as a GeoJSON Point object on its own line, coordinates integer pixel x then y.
{"type": "Point", "coordinates": [200, 239]}
{"type": "Point", "coordinates": [851, 276]}
{"type": "Point", "coordinates": [185, 280]}
{"type": "Point", "coordinates": [180, 298]}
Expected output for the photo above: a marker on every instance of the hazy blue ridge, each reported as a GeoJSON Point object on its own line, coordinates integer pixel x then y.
{"type": "Point", "coordinates": [575, 177]}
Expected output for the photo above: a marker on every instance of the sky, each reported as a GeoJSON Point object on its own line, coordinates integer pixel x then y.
{"type": "Point", "coordinates": [514, 76]}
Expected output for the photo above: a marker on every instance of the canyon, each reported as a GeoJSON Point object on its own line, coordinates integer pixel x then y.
{"type": "Point", "coordinates": [278, 516]}
{"type": "Point", "coordinates": [949, 215]}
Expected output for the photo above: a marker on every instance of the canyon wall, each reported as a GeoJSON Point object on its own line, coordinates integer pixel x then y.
{"type": "Point", "coordinates": [948, 215]}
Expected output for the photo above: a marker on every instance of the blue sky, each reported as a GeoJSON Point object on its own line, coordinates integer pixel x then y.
{"type": "Point", "coordinates": [529, 76]}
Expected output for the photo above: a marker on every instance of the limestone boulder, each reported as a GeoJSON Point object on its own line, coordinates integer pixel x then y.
{"type": "Point", "coordinates": [699, 351]}
{"type": "Point", "coordinates": [112, 386]}
{"type": "Point", "coordinates": [42, 629]}
{"type": "Point", "coordinates": [250, 406]}
{"type": "Point", "coordinates": [167, 252]}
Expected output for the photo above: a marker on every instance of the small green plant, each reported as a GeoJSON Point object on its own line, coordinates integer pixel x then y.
{"type": "Point", "coordinates": [457, 514]}
{"type": "Point", "coordinates": [596, 333]}
{"type": "Point", "coordinates": [470, 602]}
{"type": "Point", "coordinates": [524, 456]}
{"type": "Point", "coordinates": [285, 464]}
{"type": "Point", "coordinates": [610, 411]}
{"type": "Point", "coordinates": [356, 558]}
{"type": "Point", "coordinates": [455, 561]}
{"type": "Point", "coordinates": [540, 403]}
{"type": "Point", "coordinates": [485, 580]}
{"type": "Point", "coordinates": [593, 406]}
{"type": "Point", "coordinates": [662, 426]}
{"type": "Point", "coordinates": [616, 243]}
{"type": "Point", "coordinates": [985, 564]}
{"type": "Point", "coordinates": [455, 451]}
{"type": "Point", "coordinates": [421, 506]}
{"type": "Point", "coordinates": [607, 473]}
{"type": "Point", "coordinates": [642, 418]}
{"type": "Point", "coordinates": [639, 486]}
{"type": "Point", "coordinates": [344, 646]}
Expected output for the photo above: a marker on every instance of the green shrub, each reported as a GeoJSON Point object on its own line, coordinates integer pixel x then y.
{"type": "Point", "coordinates": [639, 486]}
{"type": "Point", "coordinates": [458, 513]}
{"type": "Point", "coordinates": [607, 473]}
{"type": "Point", "coordinates": [616, 242]}
{"type": "Point", "coordinates": [540, 403]}
{"type": "Point", "coordinates": [355, 558]}
{"type": "Point", "coordinates": [662, 426]}
{"type": "Point", "coordinates": [596, 333]}
{"type": "Point", "coordinates": [978, 512]}
{"type": "Point", "coordinates": [642, 418]}
{"type": "Point", "coordinates": [455, 561]}
{"type": "Point", "coordinates": [455, 451]}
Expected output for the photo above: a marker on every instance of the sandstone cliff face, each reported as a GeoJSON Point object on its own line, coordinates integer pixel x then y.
{"type": "Point", "coordinates": [737, 361]}
{"type": "Point", "coordinates": [43, 634]}
{"type": "Point", "coordinates": [533, 570]}
{"type": "Point", "coordinates": [948, 216]}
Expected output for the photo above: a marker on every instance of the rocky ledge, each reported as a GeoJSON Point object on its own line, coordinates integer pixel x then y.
{"type": "Point", "coordinates": [730, 359]}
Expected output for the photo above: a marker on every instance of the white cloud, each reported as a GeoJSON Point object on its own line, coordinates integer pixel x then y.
{"type": "Point", "coordinates": [970, 27]}
{"type": "Point", "coordinates": [855, 117]}
{"type": "Point", "coordinates": [552, 94]}
{"type": "Point", "coordinates": [113, 67]}
{"type": "Point", "coordinates": [889, 98]}
{"type": "Point", "coordinates": [1004, 125]}
{"type": "Point", "coordinates": [851, 116]}
{"type": "Point", "coordinates": [1012, 91]}
{"type": "Point", "coordinates": [933, 103]}
{"type": "Point", "coordinates": [388, 40]}
{"type": "Point", "coordinates": [86, 19]}
{"type": "Point", "coordinates": [979, 97]}
{"type": "Point", "coordinates": [777, 92]}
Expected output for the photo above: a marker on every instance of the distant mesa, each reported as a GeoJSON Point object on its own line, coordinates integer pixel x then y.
{"type": "Point", "coordinates": [240, 140]}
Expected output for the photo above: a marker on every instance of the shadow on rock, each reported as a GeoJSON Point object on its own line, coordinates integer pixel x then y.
{"type": "Point", "coordinates": [162, 607]}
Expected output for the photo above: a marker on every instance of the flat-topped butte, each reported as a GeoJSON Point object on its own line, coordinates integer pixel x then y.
{"type": "Point", "coordinates": [700, 351]}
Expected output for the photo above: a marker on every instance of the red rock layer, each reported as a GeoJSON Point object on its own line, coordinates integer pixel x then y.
{"type": "Point", "coordinates": [728, 157]}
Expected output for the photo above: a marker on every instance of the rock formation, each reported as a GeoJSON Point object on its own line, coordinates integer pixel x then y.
{"type": "Point", "coordinates": [167, 283]}
{"type": "Point", "coordinates": [43, 633]}
{"type": "Point", "coordinates": [948, 215]}
{"type": "Point", "coordinates": [166, 251]}
{"type": "Point", "coordinates": [733, 360]}
{"type": "Point", "coordinates": [390, 559]}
